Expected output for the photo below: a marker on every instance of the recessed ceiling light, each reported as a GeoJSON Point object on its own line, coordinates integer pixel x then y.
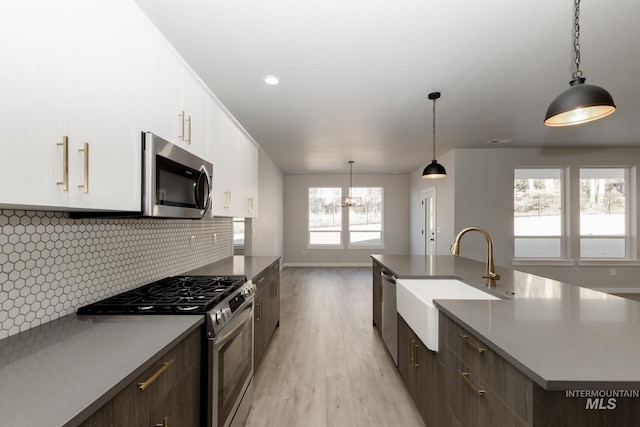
{"type": "Point", "coordinates": [271, 80]}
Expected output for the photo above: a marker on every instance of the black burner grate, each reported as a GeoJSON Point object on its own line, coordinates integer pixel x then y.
{"type": "Point", "coordinates": [172, 295]}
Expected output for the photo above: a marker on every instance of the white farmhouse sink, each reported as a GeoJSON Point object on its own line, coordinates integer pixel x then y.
{"type": "Point", "coordinates": [415, 303]}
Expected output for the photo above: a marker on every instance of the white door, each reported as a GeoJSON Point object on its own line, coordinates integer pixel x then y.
{"type": "Point", "coordinates": [428, 221]}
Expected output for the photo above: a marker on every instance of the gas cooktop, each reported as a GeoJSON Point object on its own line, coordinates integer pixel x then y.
{"type": "Point", "coordinates": [172, 295]}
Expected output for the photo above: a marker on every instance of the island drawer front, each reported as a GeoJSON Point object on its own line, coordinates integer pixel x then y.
{"type": "Point", "coordinates": [503, 379]}
{"type": "Point", "coordinates": [471, 400]}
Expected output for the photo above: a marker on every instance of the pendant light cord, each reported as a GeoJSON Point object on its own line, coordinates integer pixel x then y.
{"type": "Point", "coordinates": [434, 128]}
{"type": "Point", "coordinates": [576, 40]}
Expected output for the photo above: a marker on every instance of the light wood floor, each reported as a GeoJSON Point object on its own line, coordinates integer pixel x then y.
{"type": "Point", "coordinates": [326, 364]}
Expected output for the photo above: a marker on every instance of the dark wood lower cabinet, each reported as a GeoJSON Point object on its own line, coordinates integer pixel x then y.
{"type": "Point", "coordinates": [266, 309]}
{"type": "Point", "coordinates": [483, 389]}
{"type": "Point", "coordinates": [422, 373]}
{"type": "Point", "coordinates": [377, 295]}
{"type": "Point", "coordinates": [170, 396]}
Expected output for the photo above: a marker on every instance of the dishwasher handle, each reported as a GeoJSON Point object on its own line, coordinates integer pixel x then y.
{"type": "Point", "coordinates": [388, 277]}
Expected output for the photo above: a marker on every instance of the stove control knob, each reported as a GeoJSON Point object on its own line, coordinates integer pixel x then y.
{"type": "Point", "coordinates": [221, 316]}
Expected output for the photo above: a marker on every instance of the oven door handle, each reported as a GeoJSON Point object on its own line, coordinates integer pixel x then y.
{"type": "Point", "coordinates": [230, 329]}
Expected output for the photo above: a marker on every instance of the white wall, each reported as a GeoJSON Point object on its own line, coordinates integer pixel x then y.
{"type": "Point", "coordinates": [480, 189]}
{"type": "Point", "coordinates": [268, 227]}
{"type": "Point", "coordinates": [396, 218]}
{"type": "Point", "coordinates": [445, 206]}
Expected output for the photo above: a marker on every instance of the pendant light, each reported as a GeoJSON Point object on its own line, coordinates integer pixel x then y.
{"type": "Point", "coordinates": [350, 201]}
{"type": "Point", "coordinates": [581, 103]}
{"type": "Point", "coordinates": [434, 169]}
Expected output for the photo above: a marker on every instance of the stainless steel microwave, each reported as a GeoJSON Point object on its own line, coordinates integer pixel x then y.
{"type": "Point", "coordinates": [176, 183]}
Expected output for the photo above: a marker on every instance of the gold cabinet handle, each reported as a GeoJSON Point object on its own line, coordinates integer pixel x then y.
{"type": "Point", "coordinates": [189, 129]}
{"type": "Point", "coordinates": [472, 386]}
{"type": "Point", "coordinates": [276, 266]}
{"type": "Point", "coordinates": [165, 422]}
{"type": "Point", "coordinates": [260, 280]}
{"type": "Point", "coordinates": [181, 115]}
{"type": "Point", "coordinates": [413, 352]}
{"type": "Point", "coordinates": [274, 288]}
{"type": "Point", "coordinates": [85, 184]}
{"type": "Point", "coordinates": [250, 205]}
{"type": "Point", "coordinates": [466, 339]}
{"type": "Point", "coordinates": [227, 199]}
{"type": "Point", "coordinates": [65, 163]}
{"type": "Point", "coordinates": [163, 367]}
{"type": "Point", "coordinates": [259, 310]}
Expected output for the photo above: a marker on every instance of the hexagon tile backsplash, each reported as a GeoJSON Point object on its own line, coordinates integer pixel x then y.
{"type": "Point", "coordinates": [51, 264]}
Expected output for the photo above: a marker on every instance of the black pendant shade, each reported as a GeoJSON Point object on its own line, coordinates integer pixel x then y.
{"type": "Point", "coordinates": [581, 103]}
{"type": "Point", "coordinates": [434, 170]}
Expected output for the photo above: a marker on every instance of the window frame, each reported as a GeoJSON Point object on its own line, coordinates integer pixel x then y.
{"type": "Point", "coordinates": [627, 236]}
{"type": "Point", "coordinates": [310, 245]}
{"type": "Point", "coordinates": [352, 245]}
{"type": "Point", "coordinates": [562, 237]}
{"type": "Point", "coordinates": [345, 227]}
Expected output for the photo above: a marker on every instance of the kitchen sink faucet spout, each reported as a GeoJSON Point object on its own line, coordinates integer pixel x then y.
{"type": "Point", "coordinates": [490, 275]}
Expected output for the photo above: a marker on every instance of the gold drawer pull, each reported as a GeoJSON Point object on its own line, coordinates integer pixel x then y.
{"type": "Point", "coordinates": [466, 339]}
{"type": "Point", "coordinates": [260, 280]}
{"type": "Point", "coordinates": [472, 386]}
{"type": "Point", "coordinates": [165, 422]}
{"type": "Point", "coordinates": [163, 367]}
{"type": "Point", "coordinates": [276, 266]}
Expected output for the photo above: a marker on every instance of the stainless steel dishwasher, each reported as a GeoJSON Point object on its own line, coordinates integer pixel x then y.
{"type": "Point", "coordinates": [390, 314]}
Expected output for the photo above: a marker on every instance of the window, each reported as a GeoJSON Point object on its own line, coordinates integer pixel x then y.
{"type": "Point", "coordinates": [238, 236]}
{"type": "Point", "coordinates": [325, 216]}
{"type": "Point", "coordinates": [603, 214]}
{"type": "Point", "coordinates": [538, 213]}
{"type": "Point", "coordinates": [365, 222]}
{"type": "Point", "coordinates": [332, 225]}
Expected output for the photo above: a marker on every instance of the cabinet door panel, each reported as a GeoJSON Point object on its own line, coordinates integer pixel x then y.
{"type": "Point", "coordinates": [161, 86]}
{"type": "Point", "coordinates": [194, 104]}
{"type": "Point", "coordinates": [104, 101]}
{"type": "Point", "coordinates": [35, 110]}
{"type": "Point", "coordinates": [216, 134]}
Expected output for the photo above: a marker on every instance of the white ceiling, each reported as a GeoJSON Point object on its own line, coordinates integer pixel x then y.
{"type": "Point", "coordinates": [355, 74]}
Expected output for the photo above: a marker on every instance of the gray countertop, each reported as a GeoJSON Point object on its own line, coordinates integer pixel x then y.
{"type": "Point", "coordinates": [250, 266]}
{"type": "Point", "coordinates": [560, 335]}
{"type": "Point", "coordinates": [59, 373]}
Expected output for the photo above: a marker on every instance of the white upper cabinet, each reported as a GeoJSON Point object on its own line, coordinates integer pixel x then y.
{"type": "Point", "coordinates": [161, 86]}
{"type": "Point", "coordinates": [72, 83]}
{"type": "Point", "coordinates": [235, 160]}
{"type": "Point", "coordinates": [174, 101]}
{"type": "Point", "coordinates": [194, 106]}
{"type": "Point", "coordinates": [104, 119]}
{"type": "Point", "coordinates": [34, 105]}
{"type": "Point", "coordinates": [216, 136]}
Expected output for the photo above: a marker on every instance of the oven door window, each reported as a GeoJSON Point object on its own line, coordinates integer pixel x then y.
{"type": "Point", "coordinates": [234, 368]}
{"type": "Point", "coordinates": [178, 185]}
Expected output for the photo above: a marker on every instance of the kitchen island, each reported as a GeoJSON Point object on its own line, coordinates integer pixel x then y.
{"type": "Point", "coordinates": [577, 348]}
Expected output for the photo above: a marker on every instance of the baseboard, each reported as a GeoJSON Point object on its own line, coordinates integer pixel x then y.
{"type": "Point", "coordinates": [630, 290]}
{"type": "Point", "coordinates": [324, 264]}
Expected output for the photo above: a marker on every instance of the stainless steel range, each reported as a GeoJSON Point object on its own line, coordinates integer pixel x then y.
{"type": "Point", "coordinates": [227, 303]}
